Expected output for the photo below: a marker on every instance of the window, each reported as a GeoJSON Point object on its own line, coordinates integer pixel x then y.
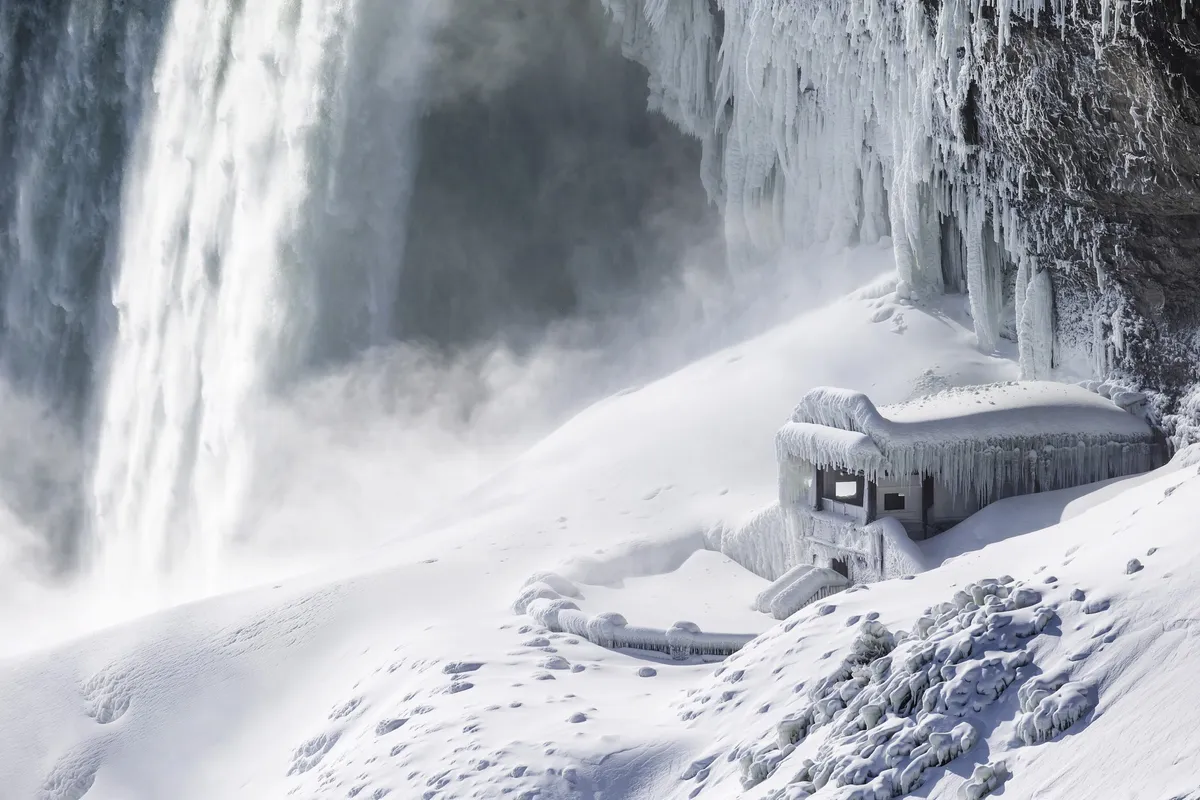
{"type": "Point", "coordinates": [893, 501]}
{"type": "Point", "coordinates": [844, 487]}
{"type": "Point", "coordinates": [845, 490]}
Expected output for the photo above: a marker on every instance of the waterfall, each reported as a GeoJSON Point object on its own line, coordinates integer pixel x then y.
{"type": "Point", "coordinates": [262, 228]}
{"type": "Point", "coordinates": [73, 78]}
{"type": "Point", "coordinates": [205, 213]}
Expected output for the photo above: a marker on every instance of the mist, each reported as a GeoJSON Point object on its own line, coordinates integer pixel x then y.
{"type": "Point", "coordinates": [488, 232]}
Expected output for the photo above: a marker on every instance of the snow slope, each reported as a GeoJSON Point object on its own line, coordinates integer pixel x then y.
{"type": "Point", "coordinates": [1116, 586]}
{"type": "Point", "coordinates": [405, 673]}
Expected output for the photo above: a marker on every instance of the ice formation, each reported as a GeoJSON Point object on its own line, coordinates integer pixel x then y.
{"type": "Point", "coordinates": [995, 440]}
{"type": "Point", "coordinates": [894, 708]}
{"type": "Point", "coordinates": [846, 120]}
{"type": "Point", "coordinates": [768, 547]}
{"type": "Point", "coordinates": [800, 586]}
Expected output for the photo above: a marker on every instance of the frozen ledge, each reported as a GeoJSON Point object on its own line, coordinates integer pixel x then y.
{"type": "Point", "coordinates": [543, 599]}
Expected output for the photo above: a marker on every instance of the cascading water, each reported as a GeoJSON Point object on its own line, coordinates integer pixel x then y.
{"type": "Point", "coordinates": [73, 79]}
{"type": "Point", "coordinates": [206, 213]}
{"type": "Point", "coordinates": [264, 213]}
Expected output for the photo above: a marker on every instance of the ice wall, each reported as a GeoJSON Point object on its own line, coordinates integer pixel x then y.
{"type": "Point", "coordinates": [837, 121]}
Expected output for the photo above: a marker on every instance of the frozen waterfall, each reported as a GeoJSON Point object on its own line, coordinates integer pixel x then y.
{"type": "Point", "coordinates": [833, 122]}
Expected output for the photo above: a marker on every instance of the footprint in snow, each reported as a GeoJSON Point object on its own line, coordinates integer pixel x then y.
{"type": "Point", "coordinates": [1083, 653]}
{"type": "Point", "coordinates": [461, 667]}
{"type": "Point", "coordinates": [108, 696]}
{"type": "Point", "coordinates": [390, 725]}
{"type": "Point", "coordinates": [346, 709]}
{"type": "Point", "coordinates": [311, 753]}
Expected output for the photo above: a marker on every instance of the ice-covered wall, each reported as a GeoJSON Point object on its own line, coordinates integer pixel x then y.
{"type": "Point", "coordinates": [1016, 149]}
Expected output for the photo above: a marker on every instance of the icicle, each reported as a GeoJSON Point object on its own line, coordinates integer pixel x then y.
{"type": "Point", "coordinates": [981, 282]}
{"type": "Point", "coordinates": [809, 110]}
{"type": "Point", "coordinates": [1080, 439]}
{"type": "Point", "coordinates": [1035, 320]}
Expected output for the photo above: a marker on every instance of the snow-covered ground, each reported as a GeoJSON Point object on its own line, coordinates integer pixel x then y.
{"type": "Point", "coordinates": [405, 673]}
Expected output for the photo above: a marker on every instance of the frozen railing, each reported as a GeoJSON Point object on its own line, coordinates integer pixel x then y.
{"type": "Point", "coordinates": [681, 641]}
{"type": "Point", "coordinates": [542, 599]}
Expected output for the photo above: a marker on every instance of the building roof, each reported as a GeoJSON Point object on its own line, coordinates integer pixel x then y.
{"type": "Point", "coordinates": [1031, 434]}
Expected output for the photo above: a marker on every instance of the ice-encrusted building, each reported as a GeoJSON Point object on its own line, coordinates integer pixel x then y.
{"type": "Point", "coordinates": [859, 483]}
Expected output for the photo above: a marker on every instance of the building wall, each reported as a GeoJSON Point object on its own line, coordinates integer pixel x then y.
{"type": "Point", "coordinates": [950, 508]}
{"type": "Point", "coordinates": [911, 517]}
{"type": "Point", "coordinates": [870, 553]}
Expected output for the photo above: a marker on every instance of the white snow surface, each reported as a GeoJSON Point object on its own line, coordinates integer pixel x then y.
{"type": "Point", "coordinates": [664, 599]}
{"type": "Point", "coordinates": [405, 674]}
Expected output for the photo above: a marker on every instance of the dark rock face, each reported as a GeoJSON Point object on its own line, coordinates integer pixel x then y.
{"type": "Point", "coordinates": [1104, 133]}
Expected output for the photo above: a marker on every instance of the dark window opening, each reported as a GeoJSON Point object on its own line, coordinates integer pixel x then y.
{"type": "Point", "coordinates": [843, 487]}
{"type": "Point", "coordinates": [840, 566]}
{"type": "Point", "coordinates": [893, 501]}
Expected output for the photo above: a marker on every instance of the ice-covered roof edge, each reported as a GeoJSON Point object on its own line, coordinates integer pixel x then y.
{"type": "Point", "coordinates": [843, 428]}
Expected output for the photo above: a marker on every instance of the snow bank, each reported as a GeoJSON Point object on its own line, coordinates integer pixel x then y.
{"type": "Point", "coordinates": [901, 555]}
{"type": "Point", "coordinates": [994, 440]}
{"type": "Point", "coordinates": [761, 544]}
